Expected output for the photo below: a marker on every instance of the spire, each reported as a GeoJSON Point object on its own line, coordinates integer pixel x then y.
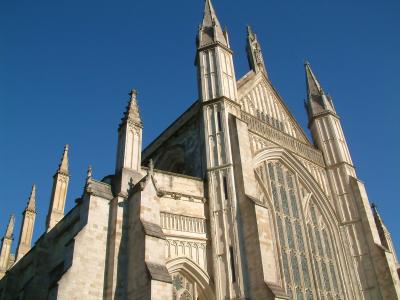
{"type": "Point", "coordinates": [32, 200]}
{"type": "Point", "coordinates": [10, 228]}
{"type": "Point", "coordinates": [317, 101]}
{"type": "Point", "coordinates": [89, 174]}
{"type": "Point", "coordinates": [132, 113]}
{"type": "Point", "coordinates": [59, 192]}
{"type": "Point", "coordinates": [5, 251]}
{"type": "Point", "coordinates": [27, 226]}
{"type": "Point", "coordinates": [313, 86]}
{"type": "Point", "coordinates": [129, 148]}
{"type": "Point", "coordinates": [210, 30]}
{"type": "Point", "coordinates": [254, 53]}
{"type": "Point", "coordinates": [382, 230]}
{"type": "Point", "coordinates": [63, 167]}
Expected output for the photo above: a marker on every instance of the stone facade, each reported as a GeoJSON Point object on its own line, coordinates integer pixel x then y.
{"type": "Point", "coordinates": [232, 201]}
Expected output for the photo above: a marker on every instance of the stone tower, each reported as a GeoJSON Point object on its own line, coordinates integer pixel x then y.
{"type": "Point", "coordinates": [218, 97]}
{"type": "Point", "coordinates": [371, 271]}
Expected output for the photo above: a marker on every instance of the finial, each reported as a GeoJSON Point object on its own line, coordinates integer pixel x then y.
{"type": "Point", "coordinates": [89, 173]}
{"type": "Point", "coordinates": [374, 207]}
{"type": "Point", "coordinates": [151, 167]}
{"type": "Point", "coordinates": [250, 31]}
{"type": "Point", "coordinates": [306, 62]}
{"type": "Point", "coordinates": [63, 167]}
{"type": "Point", "coordinates": [133, 93]}
{"type": "Point", "coordinates": [131, 113]}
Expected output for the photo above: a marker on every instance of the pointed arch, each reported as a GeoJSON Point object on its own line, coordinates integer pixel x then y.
{"type": "Point", "coordinates": [307, 178]}
{"type": "Point", "coordinates": [194, 273]}
{"type": "Point", "coordinates": [313, 196]}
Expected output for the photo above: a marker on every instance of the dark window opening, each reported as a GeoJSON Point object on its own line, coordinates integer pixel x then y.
{"type": "Point", "coordinates": [219, 121]}
{"type": "Point", "coordinates": [225, 184]}
{"type": "Point", "coordinates": [233, 272]}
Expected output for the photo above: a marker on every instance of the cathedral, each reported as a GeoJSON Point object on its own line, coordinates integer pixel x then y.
{"type": "Point", "coordinates": [231, 201]}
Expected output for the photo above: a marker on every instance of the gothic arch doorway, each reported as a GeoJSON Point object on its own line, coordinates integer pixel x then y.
{"type": "Point", "coordinates": [189, 281]}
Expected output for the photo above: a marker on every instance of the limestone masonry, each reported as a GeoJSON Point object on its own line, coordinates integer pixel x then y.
{"type": "Point", "coordinates": [232, 201]}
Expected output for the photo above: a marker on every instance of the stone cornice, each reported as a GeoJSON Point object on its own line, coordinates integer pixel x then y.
{"type": "Point", "coordinates": [219, 99]}
{"type": "Point", "coordinates": [339, 164]}
{"type": "Point", "coordinates": [213, 45]}
{"type": "Point", "coordinates": [182, 196]}
{"type": "Point", "coordinates": [131, 122]}
{"type": "Point", "coordinates": [61, 173]}
{"type": "Point", "coordinates": [320, 115]}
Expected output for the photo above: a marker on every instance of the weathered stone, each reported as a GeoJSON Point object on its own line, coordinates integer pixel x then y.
{"type": "Point", "coordinates": [232, 201]}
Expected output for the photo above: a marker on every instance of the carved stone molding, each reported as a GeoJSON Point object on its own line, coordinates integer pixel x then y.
{"type": "Point", "coordinates": [282, 139]}
{"type": "Point", "coordinates": [182, 223]}
{"type": "Point", "coordinates": [193, 249]}
{"type": "Point", "coordinates": [182, 197]}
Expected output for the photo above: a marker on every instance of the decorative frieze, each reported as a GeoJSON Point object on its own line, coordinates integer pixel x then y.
{"type": "Point", "coordinates": [182, 223]}
{"type": "Point", "coordinates": [193, 249]}
{"type": "Point", "coordinates": [182, 197]}
{"type": "Point", "coordinates": [282, 139]}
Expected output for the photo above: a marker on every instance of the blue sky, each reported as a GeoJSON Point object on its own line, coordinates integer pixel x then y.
{"type": "Point", "coordinates": [66, 68]}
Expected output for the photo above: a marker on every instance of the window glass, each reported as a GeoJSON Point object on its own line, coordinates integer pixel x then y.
{"type": "Point", "coordinates": [298, 263]}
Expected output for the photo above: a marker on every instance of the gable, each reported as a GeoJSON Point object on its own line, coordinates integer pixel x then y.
{"type": "Point", "coordinates": [178, 149]}
{"type": "Point", "coordinates": [258, 98]}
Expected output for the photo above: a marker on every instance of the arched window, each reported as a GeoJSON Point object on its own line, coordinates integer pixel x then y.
{"type": "Point", "coordinates": [295, 261]}
{"type": "Point", "coordinates": [298, 261]}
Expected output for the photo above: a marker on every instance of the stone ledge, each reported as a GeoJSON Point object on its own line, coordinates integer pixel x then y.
{"type": "Point", "coordinates": [158, 272]}
{"type": "Point", "coordinates": [153, 230]}
{"type": "Point", "coordinates": [100, 189]}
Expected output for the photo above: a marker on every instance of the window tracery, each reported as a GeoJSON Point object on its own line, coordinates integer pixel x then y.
{"type": "Point", "coordinates": [183, 289]}
{"type": "Point", "coordinates": [294, 234]}
{"type": "Point", "coordinates": [323, 256]}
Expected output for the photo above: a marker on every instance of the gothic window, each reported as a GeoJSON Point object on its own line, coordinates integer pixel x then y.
{"type": "Point", "coordinates": [295, 262]}
{"type": "Point", "coordinates": [183, 289]}
{"type": "Point", "coordinates": [298, 261]}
